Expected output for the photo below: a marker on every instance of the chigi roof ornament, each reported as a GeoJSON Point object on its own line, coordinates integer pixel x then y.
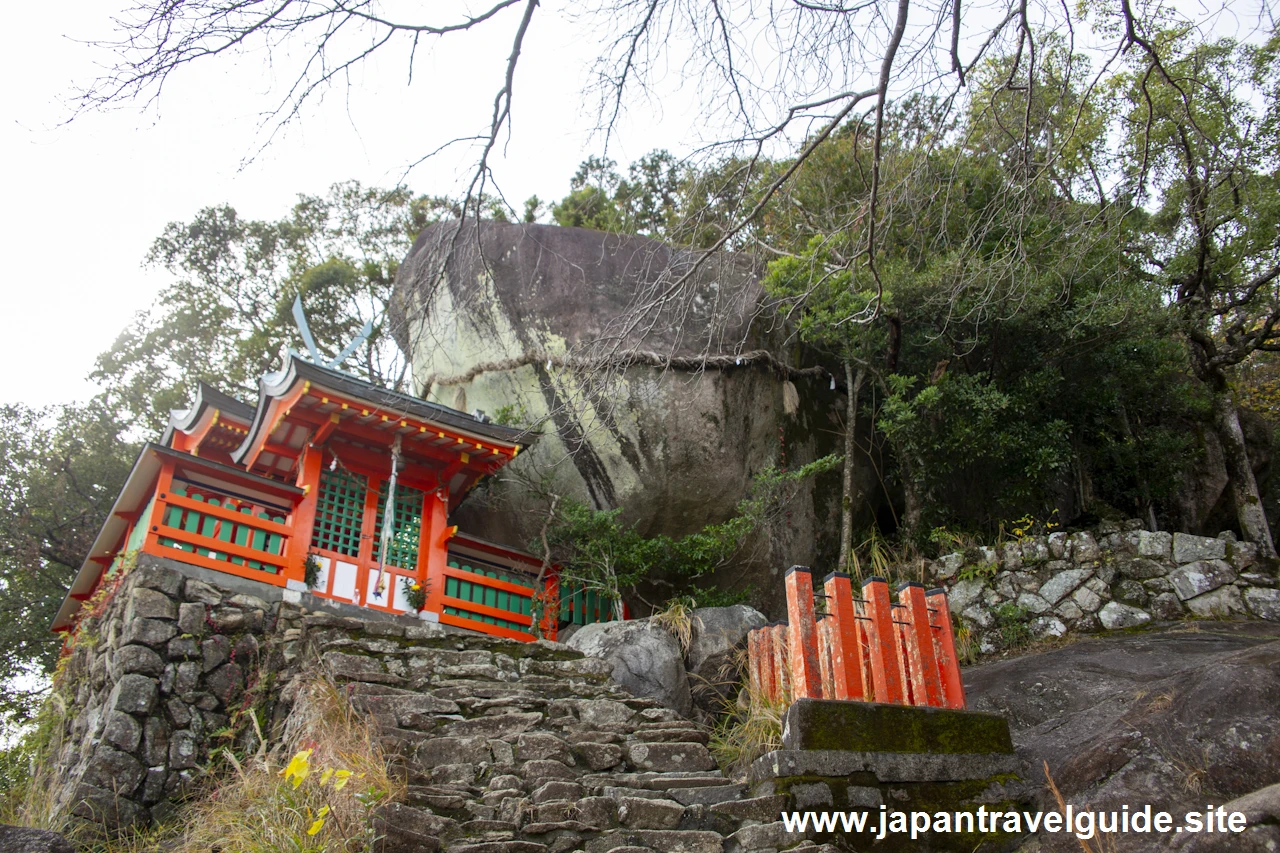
{"type": "Point", "coordinates": [300, 317]}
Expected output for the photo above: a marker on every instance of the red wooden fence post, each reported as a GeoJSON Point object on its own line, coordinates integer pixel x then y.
{"type": "Point", "coordinates": [802, 636]}
{"type": "Point", "coordinates": [846, 649]}
{"type": "Point", "coordinates": [781, 662]}
{"type": "Point", "coordinates": [886, 672]}
{"type": "Point", "coordinates": [826, 639]}
{"type": "Point", "coordinates": [922, 663]}
{"type": "Point", "coordinates": [948, 663]}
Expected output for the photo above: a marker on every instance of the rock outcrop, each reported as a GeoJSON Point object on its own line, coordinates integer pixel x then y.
{"type": "Point", "coordinates": [533, 322]}
{"type": "Point", "coordinates": [20, 839]}
{"type": "Point", "coordinates": [1176, 719]}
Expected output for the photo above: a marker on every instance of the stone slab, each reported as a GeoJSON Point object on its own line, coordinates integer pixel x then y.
{"type": "Point", "coordinates": [867, 727]}
{"type": "Point", "coordinates": [884, 766]}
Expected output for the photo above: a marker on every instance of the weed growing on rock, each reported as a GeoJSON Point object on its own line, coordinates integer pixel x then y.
{"type": "Point", "coordinates": [324, 799]}
{"type": "Point", "coordinates": [677, 617]}
{"type": "Point", "coordinates": [750, 726]}
{"type": "Point", "coordinates": [1011, 624]}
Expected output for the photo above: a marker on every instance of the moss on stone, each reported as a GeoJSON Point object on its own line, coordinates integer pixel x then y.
{"type": "Point", "coordinates": [874, 727]}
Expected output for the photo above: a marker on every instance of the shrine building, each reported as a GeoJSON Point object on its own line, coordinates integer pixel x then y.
{"type": "Point", "coordinates": [334, 487]}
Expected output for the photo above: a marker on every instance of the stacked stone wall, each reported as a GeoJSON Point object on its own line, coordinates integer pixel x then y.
{"type": "Point", "coordinates": [164, 667]}
{"type": "Point", "coordinates": [1114, 577]}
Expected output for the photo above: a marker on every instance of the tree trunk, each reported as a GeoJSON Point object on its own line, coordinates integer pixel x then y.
{"type": "Point", "coordinates": [1243, 486]}
{"type": "Point", "coordinates": [913, 508]}
{"type": "Point", "coordinates": [853, 385]}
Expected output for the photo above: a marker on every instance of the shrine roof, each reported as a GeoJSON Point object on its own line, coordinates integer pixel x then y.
{"type": "Point", "coordinates": [275, 386]}
{"type": "Point", "coordinates": [207, 397]}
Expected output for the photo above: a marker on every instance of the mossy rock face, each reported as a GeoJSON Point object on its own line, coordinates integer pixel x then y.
{"type": "Point", "coordinates": [874, 727]}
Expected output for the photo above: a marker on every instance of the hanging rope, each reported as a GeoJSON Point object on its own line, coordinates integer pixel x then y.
{"type": "Point", "coordinates": [388, 522]}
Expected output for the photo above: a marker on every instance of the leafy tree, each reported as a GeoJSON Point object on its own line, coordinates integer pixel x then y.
{"type": "Point", "coordinates": [227, 313]}
{"type": "Point", "coordinates": [1202, 132]}
{"type": "Point", "coordinates": [60, 471]}
{"type": "Point", "coordinates": [645, 202]}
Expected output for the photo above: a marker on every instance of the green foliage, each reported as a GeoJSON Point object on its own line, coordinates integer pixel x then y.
{"type": "Point", "coordinates": [704, 596]}
{"type": "Point", "coordinates": [60, 471]}
{"type": "Point", "coordinates": [980, 571]}
{"type": "Point", "coordinates": [597, 550]}
{"type": "Point", "coordinates": [311, 571]}
{"type": "Point", "coordinates": [1011, 625]}
{"type": "Point", "coordinates": [645, 202]}
{"type": "Point", "coordinates": [226, 314]}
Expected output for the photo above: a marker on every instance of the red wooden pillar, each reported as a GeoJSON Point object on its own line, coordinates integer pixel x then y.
{"type": "Point", "coordinates": [882, 635]}
{"type": "Point", "coordinates": [550, 605]}
{"type": "Point", "coordinates": [825, 641]}
{"type": "Point", "coordinates": [304, 515]}
{"type": "Point", "coordinates": [433, 549]}
{"type": "Point", "coordinates": [948, 663]}
{"type": "Point", "coordinates": [922, 663]}
{"type": "Point", "coordinates": [802, 635]}
{"type": "Point", "coordinates": [164, 484]}
{"type": "Point", "coordinates": [846, 646]}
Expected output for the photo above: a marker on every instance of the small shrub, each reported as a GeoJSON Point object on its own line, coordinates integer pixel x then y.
{"type": "Point", "coordinates": [312, 571]}
{"type": "Point", "coordinates": [979, 572]}
{"type": "Point", "coordinates": [1011, 622]}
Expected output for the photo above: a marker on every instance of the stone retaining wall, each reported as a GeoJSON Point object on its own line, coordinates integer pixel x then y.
{"type": "Point", "coordinates": [1114, 577]}
{"type": "Point", "coordinates": [165, 663]}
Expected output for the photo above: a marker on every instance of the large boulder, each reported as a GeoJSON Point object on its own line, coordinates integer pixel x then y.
{"type": "Point", "coordinates": [716, 654]}
{"type": "Point", "coordinates": [1261, 811]}
{"type": "Point", "coordinates": [646, 659]}
{"type": "Point", "coordinates": [1174, 719]}
{"type": "Point", "coordinates": [526, 322]}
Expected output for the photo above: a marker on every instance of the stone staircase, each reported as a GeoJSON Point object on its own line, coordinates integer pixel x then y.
{"type": "Point", "coordinates": [530, 748]}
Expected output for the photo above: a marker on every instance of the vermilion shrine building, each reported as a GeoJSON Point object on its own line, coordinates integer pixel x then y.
{"type": "Point", "coordinates": [308, 474]}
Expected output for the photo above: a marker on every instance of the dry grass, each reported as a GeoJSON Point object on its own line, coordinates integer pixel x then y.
{"type": "Point", "coordinates": [748, 729]}
{"type": "Point", "coordinates": [677, 618]}
{"type": "Point", "coordinates": [1100, 843]}
{"type": "Point", "coordinates": [31, 800]}
{"type": "Point", "coordinates": [343, 778]}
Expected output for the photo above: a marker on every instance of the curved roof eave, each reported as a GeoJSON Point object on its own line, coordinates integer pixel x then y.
{"type": "Point", "coordinates": [273, 386]}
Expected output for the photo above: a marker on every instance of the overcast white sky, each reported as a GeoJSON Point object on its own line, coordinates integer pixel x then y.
{"type": "Point", "coordinates": [84, 200]}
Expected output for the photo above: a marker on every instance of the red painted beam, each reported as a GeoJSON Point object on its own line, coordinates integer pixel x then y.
{"type": "Point", "coordinates": [846, 647]}
{"type": "Point", "coordinates": [882, 634]}
{"type": "Point", "coordinates": [802, 635]}
{"type": "Point", "coordinates": [948, 663]}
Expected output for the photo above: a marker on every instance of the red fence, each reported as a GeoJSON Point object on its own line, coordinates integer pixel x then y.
{"type": "Point", "coordinates": [868, 649]}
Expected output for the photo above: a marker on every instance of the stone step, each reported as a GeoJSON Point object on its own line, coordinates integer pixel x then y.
{"type": "Point", "coordinates": [765, 809]}
{"type": "Point", "coordinates": [406, 828]}
{"type": "Point", "coordinates": [436, 799]}
{"type": "Point", "coordinates": [672, 735]}
{"type": "Point", "coordinates": [488, 830]}
{"type": "Point", "coordinates": [653, 781]}
{"type": "Point", "coordinates": [669, 757]}
{"type": "Point", "coordinates": [666, 840]}
{"type": "Point", "coordinates": [701, 796]}
{"type": "Point", "coordinates": [763, 836]}
{"type": "Point", "coordinates": [509, 846]}
{"type": "Point", "coordinates": [649, 813]}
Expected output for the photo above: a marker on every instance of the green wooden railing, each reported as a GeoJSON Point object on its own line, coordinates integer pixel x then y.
{"type": "Point", "coordinates": [249, 541]}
